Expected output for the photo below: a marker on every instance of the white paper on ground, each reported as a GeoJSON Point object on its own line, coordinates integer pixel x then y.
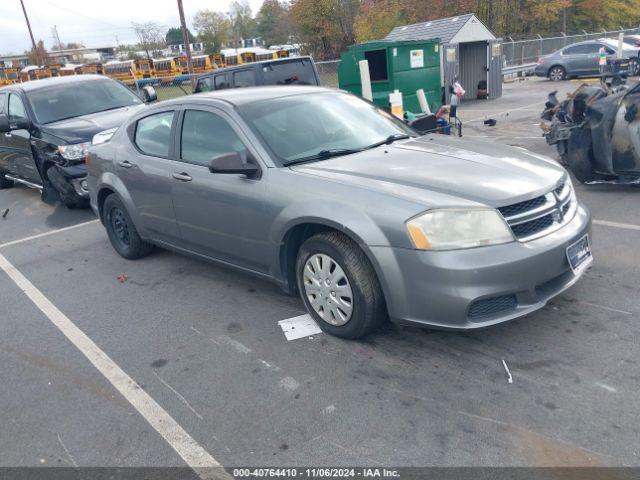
{"type": "Point", "coordinates": [298, 327]}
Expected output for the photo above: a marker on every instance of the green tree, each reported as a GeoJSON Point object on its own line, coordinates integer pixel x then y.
{"type": "Point", "coordinates": [214, 30]}
{"type": "Point", "coordinates": [273, 22]}
{"type": "Point", "coordinates": [325, 27]}
{"type": "Point", "coordinates": [174, 36]}
{"type": "Point", "coordinates": [243, 24]}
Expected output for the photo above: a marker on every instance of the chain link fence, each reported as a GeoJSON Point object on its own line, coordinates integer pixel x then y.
{"type": "Point", "coordinates": [328, 73]}
{"type": "Point", "coordinates": [520, 52]}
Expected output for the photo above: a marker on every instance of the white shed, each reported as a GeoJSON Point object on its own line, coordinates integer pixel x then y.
{"type": "Point", "coordinates": [470, 52]}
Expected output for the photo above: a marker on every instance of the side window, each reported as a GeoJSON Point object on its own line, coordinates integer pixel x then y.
{"type": "Point", "coordinates": [16, 108]}
{"type": "Point", "coordinates": [574, 50]}
{"type": "Point", "coordinates": [244, 78]}
{"type": "Point", "coordinates": [221, 82]}
{"type": "Point", "coordinates": [204, 85]}
{"type": "Point", "coordinates": [206, 135]}
{"type": "Point", "coordinates": [3, 99]}
{"type": "Point", "coordinates": [592, 48]}
{"type": "Point", "coordinates": [153, 134]}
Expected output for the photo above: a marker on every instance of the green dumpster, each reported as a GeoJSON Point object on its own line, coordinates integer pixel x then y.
{"type": "Point", "coordinates": [403, 65]}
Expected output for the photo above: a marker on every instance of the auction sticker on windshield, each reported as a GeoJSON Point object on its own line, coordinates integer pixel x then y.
{"type": "Point", "coordinates": [579, 255]}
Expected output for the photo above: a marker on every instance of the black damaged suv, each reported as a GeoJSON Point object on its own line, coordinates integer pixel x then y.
{"type": "Point", "coordinates": [47, 125]}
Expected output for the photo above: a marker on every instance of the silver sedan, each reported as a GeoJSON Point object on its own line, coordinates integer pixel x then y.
{"type": "Point", "coordinates": [337, 201]}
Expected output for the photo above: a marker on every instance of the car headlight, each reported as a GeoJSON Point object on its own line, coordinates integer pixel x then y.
{"type": "Point", "coordinates": [450, 229]}
{"type": "Point", "coordinates": [73, 152]}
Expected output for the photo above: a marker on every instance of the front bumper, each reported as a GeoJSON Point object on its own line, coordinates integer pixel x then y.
{"type": "Point", "coordinates": [478, 287]}
{"type": "Point", "coordinates": [541, 71]}
{"type": "Point", "coordinates": [76, 176]}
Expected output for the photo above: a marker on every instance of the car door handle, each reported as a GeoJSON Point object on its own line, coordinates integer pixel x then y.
{"type": "Point", "coordinates": [183, 177]}
{"type": "Point", "coordinates": [125, 163]}
{"type": "Point", "coordinates": [8, 135]}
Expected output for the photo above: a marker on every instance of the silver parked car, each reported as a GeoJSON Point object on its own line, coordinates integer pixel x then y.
{"type": "Point", "coordinates": [577, 60]}
{"type": "Point", "coordinates": [331, 197]}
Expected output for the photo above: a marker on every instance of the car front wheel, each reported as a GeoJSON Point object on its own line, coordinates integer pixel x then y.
{"type": "Point", "coordinates": [557, 74]}
{"type": "Point", "coordinates": [634, 67]}
{"type": "Point", "coordinates": [338, 286]}
{"type": "Point", "coordinates": [122, 232]}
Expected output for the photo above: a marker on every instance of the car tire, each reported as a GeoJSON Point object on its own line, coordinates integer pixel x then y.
{"type": "Point", "coordinates": [557, 73]}
{"type": "Point", "coordinates": [634, 67]}
{"type": "Point", "coordinates": [333, 257]}
{"type": "Point", "coordinates": [579, 155]}
{"type": "Point", "coordinates": [5, 182]}
{"type": "Point", "coordinates": [121, 231]}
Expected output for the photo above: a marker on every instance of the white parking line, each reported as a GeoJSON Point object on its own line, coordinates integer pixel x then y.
{"type": "Point", "coordinates": [626, 226]}
{"type": "Point", "coordinates": [46, 234]}
{"type": "Point", "coordinates": [191, 452]}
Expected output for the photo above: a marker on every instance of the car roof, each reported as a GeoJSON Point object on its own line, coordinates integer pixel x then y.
{"type": "Point", "coordinates": [250, 64]}
{"type": "Point", "coordinates": [32, 85]}
{"type": "Point", "coordinates": [243, 96]}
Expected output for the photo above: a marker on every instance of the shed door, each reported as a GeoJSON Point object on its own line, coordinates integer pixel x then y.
{"type": "Point", "coordinates": [495, 68]}
{"type": "Point", "coordinates": [473, 66]}
{"type": "Point", "coordinates": [450, 63]}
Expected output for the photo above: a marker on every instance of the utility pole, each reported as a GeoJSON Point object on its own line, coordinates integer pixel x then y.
{"type": "Point", "coordinates": [185, 39]}
{"type": "Point", "coordinates": [33, 42]}
{"type": "Point", "coordinates": [56, 37]}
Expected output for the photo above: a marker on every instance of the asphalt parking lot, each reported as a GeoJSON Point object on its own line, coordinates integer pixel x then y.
{"type": "Point", "coordinates": [200, 346]}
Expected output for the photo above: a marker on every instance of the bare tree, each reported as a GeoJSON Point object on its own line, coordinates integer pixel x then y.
{"type": "Point", "coordinates": [151, 36]}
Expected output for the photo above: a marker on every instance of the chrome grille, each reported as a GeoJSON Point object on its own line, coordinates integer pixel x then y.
{"type": "Point", "coordinates": [541, 215]}
{"type": "Point", "coordinates": [525, 206]}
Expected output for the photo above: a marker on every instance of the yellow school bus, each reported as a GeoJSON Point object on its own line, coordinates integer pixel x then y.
{"type": "Point", "coordinates": [54, 68]}
{"type": "Point", "coordinates": [129, 71]}
{"type": "Point", "coordinates": [91, 68]}
{"type": "Point", "coordinates": [181, 65]}
{"type": "Point", "coordinates": [70, 70]}
{"type": "Point", "coordinates": [164, 67]}
{"type": "Point", "coordinates": [219, 60]}
{"type": "Point", "coordinates": [9, 76]}
{"type": "Point", "coordinates": [203, 63]}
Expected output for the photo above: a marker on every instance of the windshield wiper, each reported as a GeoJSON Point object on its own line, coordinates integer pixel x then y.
{"type": "Point", "coordinates": [337, 152]}
{"type": "Point", "coordinates": [323, 154]}
{"type": "Point", "coordinates": [389, 140]}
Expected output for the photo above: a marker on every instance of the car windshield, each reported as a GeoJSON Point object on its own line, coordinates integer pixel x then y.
{"type": "Point", "coordinates": [315, 126]}
{"type": "Point", "coordinates": [76, 99]}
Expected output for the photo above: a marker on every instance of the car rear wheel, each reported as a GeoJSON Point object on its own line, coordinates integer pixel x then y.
{"type": "Point", "coordinates": [121, 231]}
{"type": "Point", "coordinates": [557, 73]}
{"type": "Point", "coordinates": [5, 182]}
{"type": "Point", "coordinates": [338, 286]}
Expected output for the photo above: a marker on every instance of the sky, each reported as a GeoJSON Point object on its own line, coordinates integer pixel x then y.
{"type": "Point", "coordinates": [92, 22]}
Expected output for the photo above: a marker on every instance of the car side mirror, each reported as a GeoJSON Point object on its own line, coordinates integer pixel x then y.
{"type": "Point", "coordinates": [4, 124]}
{"type": "Point", "coordinates": [19, 124]}
{"type": "Point", "coordinates": [149, 94]}
{"type": "Point", "coordinates": [231, 163]}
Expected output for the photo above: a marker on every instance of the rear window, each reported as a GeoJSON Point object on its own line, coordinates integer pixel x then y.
{"type": "Point", "coordinates": [298, 72]}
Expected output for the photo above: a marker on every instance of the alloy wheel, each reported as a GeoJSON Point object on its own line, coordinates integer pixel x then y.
{"type": "Point", "coordinates": [328, 290]}
{"type": "Point", "coordinates": [556, 74]}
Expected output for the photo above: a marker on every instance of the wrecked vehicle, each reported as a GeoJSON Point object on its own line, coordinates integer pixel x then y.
{"type": "Point", "coordinates": [47, 125]}
{"type": "Point", "coordinates": [596, 131]}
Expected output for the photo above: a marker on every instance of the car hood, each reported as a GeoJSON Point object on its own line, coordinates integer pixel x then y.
{"type": "Point", "coordinates": [82, 129]}
{"type": "Point", "coordinates": [437, 170]}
